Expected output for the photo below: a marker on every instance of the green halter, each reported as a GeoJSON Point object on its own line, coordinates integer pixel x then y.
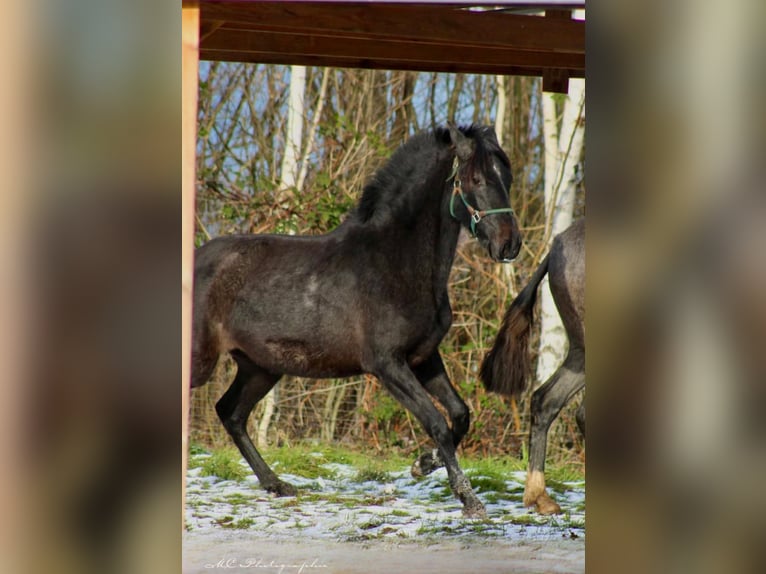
{"type": "Point", "coordinates": [457, 189]}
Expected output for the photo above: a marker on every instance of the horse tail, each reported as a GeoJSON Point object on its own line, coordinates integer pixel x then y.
{"type": "Point", "coordinates": [506, 368]}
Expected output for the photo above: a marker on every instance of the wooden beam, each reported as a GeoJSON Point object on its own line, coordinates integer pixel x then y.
{"type": "Point", "coordinates": [437, 24]}
{"type": "Point", "coordinates": [556, 79]}
{"type": "Point", "coordinates": [207, 27]}
{"type": "Point", "coordinates": [352, 62]}
{"type": "Point", "coordinates": [226, 39]}
{"type": "Point", "coordinates": [190, 70]}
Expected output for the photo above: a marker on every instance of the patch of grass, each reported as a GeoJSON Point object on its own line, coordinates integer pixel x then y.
{"type": "Point", "coordinates": [483, 527]}
{"type": "Point", "coordinates": [440, 494]}
{"type": "Point", "coordinates": [372, 500]}
{"type": "Point", "coordinates": [556, 486]}
{"type": "Point", "coordinates": [242, 524]}
{"type": "Point", "coordinates": [332, 498]}
{"type": "Point", "coordinates": [493, 466]}
{"type": "Point", "coordinates": [372, 474]}
{"type": "Point", "coordinates": [579, 507]}
{"type": "Point", "coordinates": [436, 528]}
{"type": "Point", "coordinates": [229, 522]}
{"type": "Point", "coordinates": [503, 466]}
{"type": "Point", "coordinates": [370, 524]}
{"type": "Point", "coordinates": [307, 460]}
{"type": "Point", "coordinates": [488, 484]}
{"type": "Point", "coordinates": [195, 458]}
{"type": "Point", "coordinates": [239, 498]}
{"type": "Point", "coordinates": [564, 474]}
{"type": "Point", "coordinates": [225, 464]}
{"type": "Point", "coordinates": [310, 497]}
{"type": "Point", "coordinates": [399, 513]}
{"type": "Point", "coordinates": [500, 469]}
{"type": "Point", "coordinates": [364, 537]}
{"type": "Point", "coordinates": [566, 520]}
{"type": "Point", "coordinates": [492, 498]}
{"type": "Point", "coordinates": [298, 461]}
{"type": "Point", "coordinates": [292, 502]}
{"type": "Point", "coordinates": [523, 519]}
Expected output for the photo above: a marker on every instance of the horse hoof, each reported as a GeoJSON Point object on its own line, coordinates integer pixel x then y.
{"type": "Point", "coordinates": [282, 489]}
{"type": "Point", "coordinates": [546, 505]}
{"type": "Point", "coordinates": [475, 511]}
{"type": "Point", "coordinates": [424, 465]}
{"type": "Point", "coordinates": [530, 499]}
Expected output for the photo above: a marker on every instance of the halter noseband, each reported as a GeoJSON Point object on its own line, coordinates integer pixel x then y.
{"type": "Point", "coordinates": [457, 189]}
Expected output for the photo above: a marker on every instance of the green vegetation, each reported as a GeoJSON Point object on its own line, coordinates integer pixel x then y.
{"type": "Point", "coordinates": [372, 473]}
{"type": "Point", "coordinates": [225, 464]}
{"type": "Point", "coordinates": [310, 460]}
{"type": "Point", "coordinates": [240, 524]}
{"type": "Point", "coordinates": [502, 467]}
{"type": "Point", "coordinates": [371, 511]}
{"type": "Point", "coordinates": [487, 474]}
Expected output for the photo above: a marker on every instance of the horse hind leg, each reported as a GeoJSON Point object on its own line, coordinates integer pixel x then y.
{"type": "Point", "coordinates": [547, 402]}
{"type": "Point", "coordinates": [434, 379]}
{"type": "Point", "coordinates": [250, 385]}
{"type": "Point", "coordinates": [204, 358]}
{"type": "Point", "coordinates": [580, 417]}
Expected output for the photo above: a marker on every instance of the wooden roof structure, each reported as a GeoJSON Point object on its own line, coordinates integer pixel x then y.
{"type": "Point", "coordinates": [509, 38]}
{"type": "Point", "coordinates": [526, 37]}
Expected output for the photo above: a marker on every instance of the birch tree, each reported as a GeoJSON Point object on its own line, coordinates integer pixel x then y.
{"type": "Point", "coordinates": [289, 170]}
{"type": "Point", "coordinates": [563, 134]}
{"type": "Point", "coordinates": [500, 108]}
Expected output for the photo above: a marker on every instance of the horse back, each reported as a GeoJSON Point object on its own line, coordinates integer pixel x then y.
{"type": "Point", "coordinates": [287, 302]}
{"type": "Point", "coordinates": [310, 306]}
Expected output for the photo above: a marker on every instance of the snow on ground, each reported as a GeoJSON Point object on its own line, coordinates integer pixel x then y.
{"type": "Point", "coordinates": [397, 508]}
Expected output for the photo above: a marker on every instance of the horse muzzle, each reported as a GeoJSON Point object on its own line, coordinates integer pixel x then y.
{"type": "Point", "coordinates": [507, 251]}
{"type": "Point", "coordinates": [503, 241]}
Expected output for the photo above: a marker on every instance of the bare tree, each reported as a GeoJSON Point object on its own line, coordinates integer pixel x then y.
{"type": "Point", "coordinates": [563, 151]}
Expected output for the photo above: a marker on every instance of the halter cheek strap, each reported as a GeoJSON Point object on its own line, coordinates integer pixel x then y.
{"type": "Point", "coordinates": [457, 189]}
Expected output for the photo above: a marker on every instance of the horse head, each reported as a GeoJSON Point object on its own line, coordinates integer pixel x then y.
{"type": "Point", "coordinates": [481, 181]}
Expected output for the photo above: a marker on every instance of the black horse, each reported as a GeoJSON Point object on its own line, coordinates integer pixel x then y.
{"type": "Point", "coordinates": [369, 297]}
{"type": "Point", "coordinates": [506, 367]}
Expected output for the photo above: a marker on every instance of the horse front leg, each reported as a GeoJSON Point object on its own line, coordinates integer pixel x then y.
{"type": "Point", "coordinates": [405, 387]}
{"type": "Point", "coordinates": [546, 404]}
{"type": "Point", "coordinates": [433, 376]}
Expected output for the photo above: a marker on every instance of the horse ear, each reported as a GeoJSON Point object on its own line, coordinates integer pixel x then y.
{"type": "Point", "coordinates": [464, 146]}
{"type": "Point", "coordinates": [492, 134]}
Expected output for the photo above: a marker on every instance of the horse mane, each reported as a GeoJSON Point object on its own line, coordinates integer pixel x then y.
{"type": "Point", "coordinates": [398, 189]}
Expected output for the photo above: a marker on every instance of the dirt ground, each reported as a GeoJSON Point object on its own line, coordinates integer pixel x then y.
{"type": "Point", "coordinates": [244, 552]}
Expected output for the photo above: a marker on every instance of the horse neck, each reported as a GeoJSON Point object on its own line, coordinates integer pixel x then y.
{"type": "Point", "coordinates": [432, 247]}
{"type": "Point", "coordinates": [416, 230]}
{"type": "Point", "coordinates": [449, 231]}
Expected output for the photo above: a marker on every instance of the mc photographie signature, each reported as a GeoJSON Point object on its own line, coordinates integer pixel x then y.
{"type": "Point", "coordinates": [276, 565]}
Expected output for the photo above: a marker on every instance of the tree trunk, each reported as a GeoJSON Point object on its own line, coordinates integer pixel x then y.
{"type": "Point", "coordinates": [563, 150]}
{"type": "Point", "coordinates": [501, 102]}
{"type": "Point", "coordinates": [289, 170]}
